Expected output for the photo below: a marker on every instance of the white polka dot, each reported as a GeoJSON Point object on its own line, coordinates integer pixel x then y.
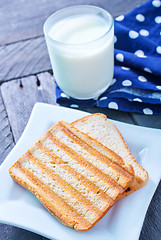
{"type": "Point", "coordinates": [137, 100]}
{"type": "Point", "coordinates": [103, 98]}
{"type": "Point", "coordinates": [113, 105]}
{"type": "Point", "coordinates": [133, 34]}
{"type": "Point", "coordinates": [120, 18]}
{"type": "Point", "coordinates": [140, 53]}
{"type": "Point", "coordinates": [158, 49]}
{"type": "Point", "coordinates": [142, 79]}
{"type": "Point", "coordinates": [158, 87]}
{"type": "Point", "coordinates": [113, 81]}
{"type": "Point", "coordinates": [147, 111]}
{"type": "Point", "coordinates": [115, 39]}
{"type": "Point", "coordinates": [147, 70]}
{"type": "Point", "coordinates": [158, 19]}
{"type": "Point", "coordinates": [142, 56]}
{"type": "Point", "coordinates": [120, 57]}
{"type": "Point", "coordinates": [140, 17]}
{"type": "Point", "coordinates": [64, 95]}
{"type": "Point", "coordinates": [156, 3]}
{"type": "Point", "coordinates": [126, 83]}
{"type": "Point", "coordinates": [125, 68]}
{"type": "Point", "coordinates": [74, 106]}
{"type": "Point", "coordinates": [144, 32]}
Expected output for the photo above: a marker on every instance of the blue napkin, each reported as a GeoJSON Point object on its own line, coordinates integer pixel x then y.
{"type": "Point", "coordinates": [136, 86]}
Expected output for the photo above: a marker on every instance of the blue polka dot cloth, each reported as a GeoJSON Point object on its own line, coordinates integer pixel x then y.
{"type": "Point", "coordinates": [136, 86]}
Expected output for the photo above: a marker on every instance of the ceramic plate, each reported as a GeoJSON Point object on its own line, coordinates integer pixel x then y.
{"type": "Point", "coordinates": [20, 208]}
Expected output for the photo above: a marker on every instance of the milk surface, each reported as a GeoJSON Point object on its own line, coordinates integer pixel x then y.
{"type": "Point", "coordinates": [82, 55]}
{"type": "Point", "coordinates": [77, 30]}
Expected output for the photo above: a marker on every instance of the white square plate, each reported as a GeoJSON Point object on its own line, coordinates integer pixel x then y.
{"type": "Point", "coordinates": [20, 208]}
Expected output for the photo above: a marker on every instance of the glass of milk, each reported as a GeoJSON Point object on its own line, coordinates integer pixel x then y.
{"type": "Point", "coordinates": [80, 42]}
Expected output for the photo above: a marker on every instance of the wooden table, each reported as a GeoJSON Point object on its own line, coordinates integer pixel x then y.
{"type": "Point", "coordinates": [26, 78]}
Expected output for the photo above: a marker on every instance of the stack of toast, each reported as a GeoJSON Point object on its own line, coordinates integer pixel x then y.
{"type": "Point", "coordinates": [79, 170]}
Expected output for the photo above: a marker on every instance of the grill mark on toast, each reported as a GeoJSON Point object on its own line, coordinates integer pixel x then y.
{"type": "Point", "coordinates": [66, 196]}
{"type": "Point", "coordinates": [88, 184]}
{"type": "Point", "coordinates": [89, 124]}
{"type": "Point", "coordinates": [121, 180]}
{"type": "Point", "coordinates": [65, 185]}
{"type": "Point", "coordinates": [79, 177]}
{"type": "Point", "coordinates": [54, 158]}
{"type": "Point", "coordinates": [71, 132]}
{"type": "Point", "coordinates": [85, 163]}
{"type": "Point", "coordinates": [43, 198]}
{"type": "Point", "coordinates": [58, 204]}
{"type": "Point", "coordinates": [104, 158]}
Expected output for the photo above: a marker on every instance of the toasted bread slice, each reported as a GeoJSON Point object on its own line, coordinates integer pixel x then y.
{"type": "Point", "coordinates": [75, 177]}
{"type": "Point", "coordinates": [100, 128]}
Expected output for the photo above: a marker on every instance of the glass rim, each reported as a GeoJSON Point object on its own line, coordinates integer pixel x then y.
{"type": "Point", "coordinates": [77, 44]}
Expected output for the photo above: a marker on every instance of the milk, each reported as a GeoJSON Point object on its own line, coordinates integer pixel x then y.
{"type": "Point", "coordinates": [80, 29]}
{"type": "Point", "coordinates": [81, 53]}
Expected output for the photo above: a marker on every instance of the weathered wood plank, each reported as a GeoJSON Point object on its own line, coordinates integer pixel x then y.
{"type": "Point", "coordinates": [30, 56]}
{"type": "Point", "coordinates": [6, 144]}
{"type": "Point", "coordinates": [13, 233]}
{"type": "Point", "coordinates": [152, 121]}
{"type": "Point", "coordinates": [6, 136]}
{"type": "Point", "coordinates": [23, 59]}
{"type": "Point", "coordinates": [152, 225]}
{"type": "Point", "coordinates": [20, 96]}
{"type": "Point", "coordinates": [46, 87]}
{"type": "Point", "coordinates": [24, 19]}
